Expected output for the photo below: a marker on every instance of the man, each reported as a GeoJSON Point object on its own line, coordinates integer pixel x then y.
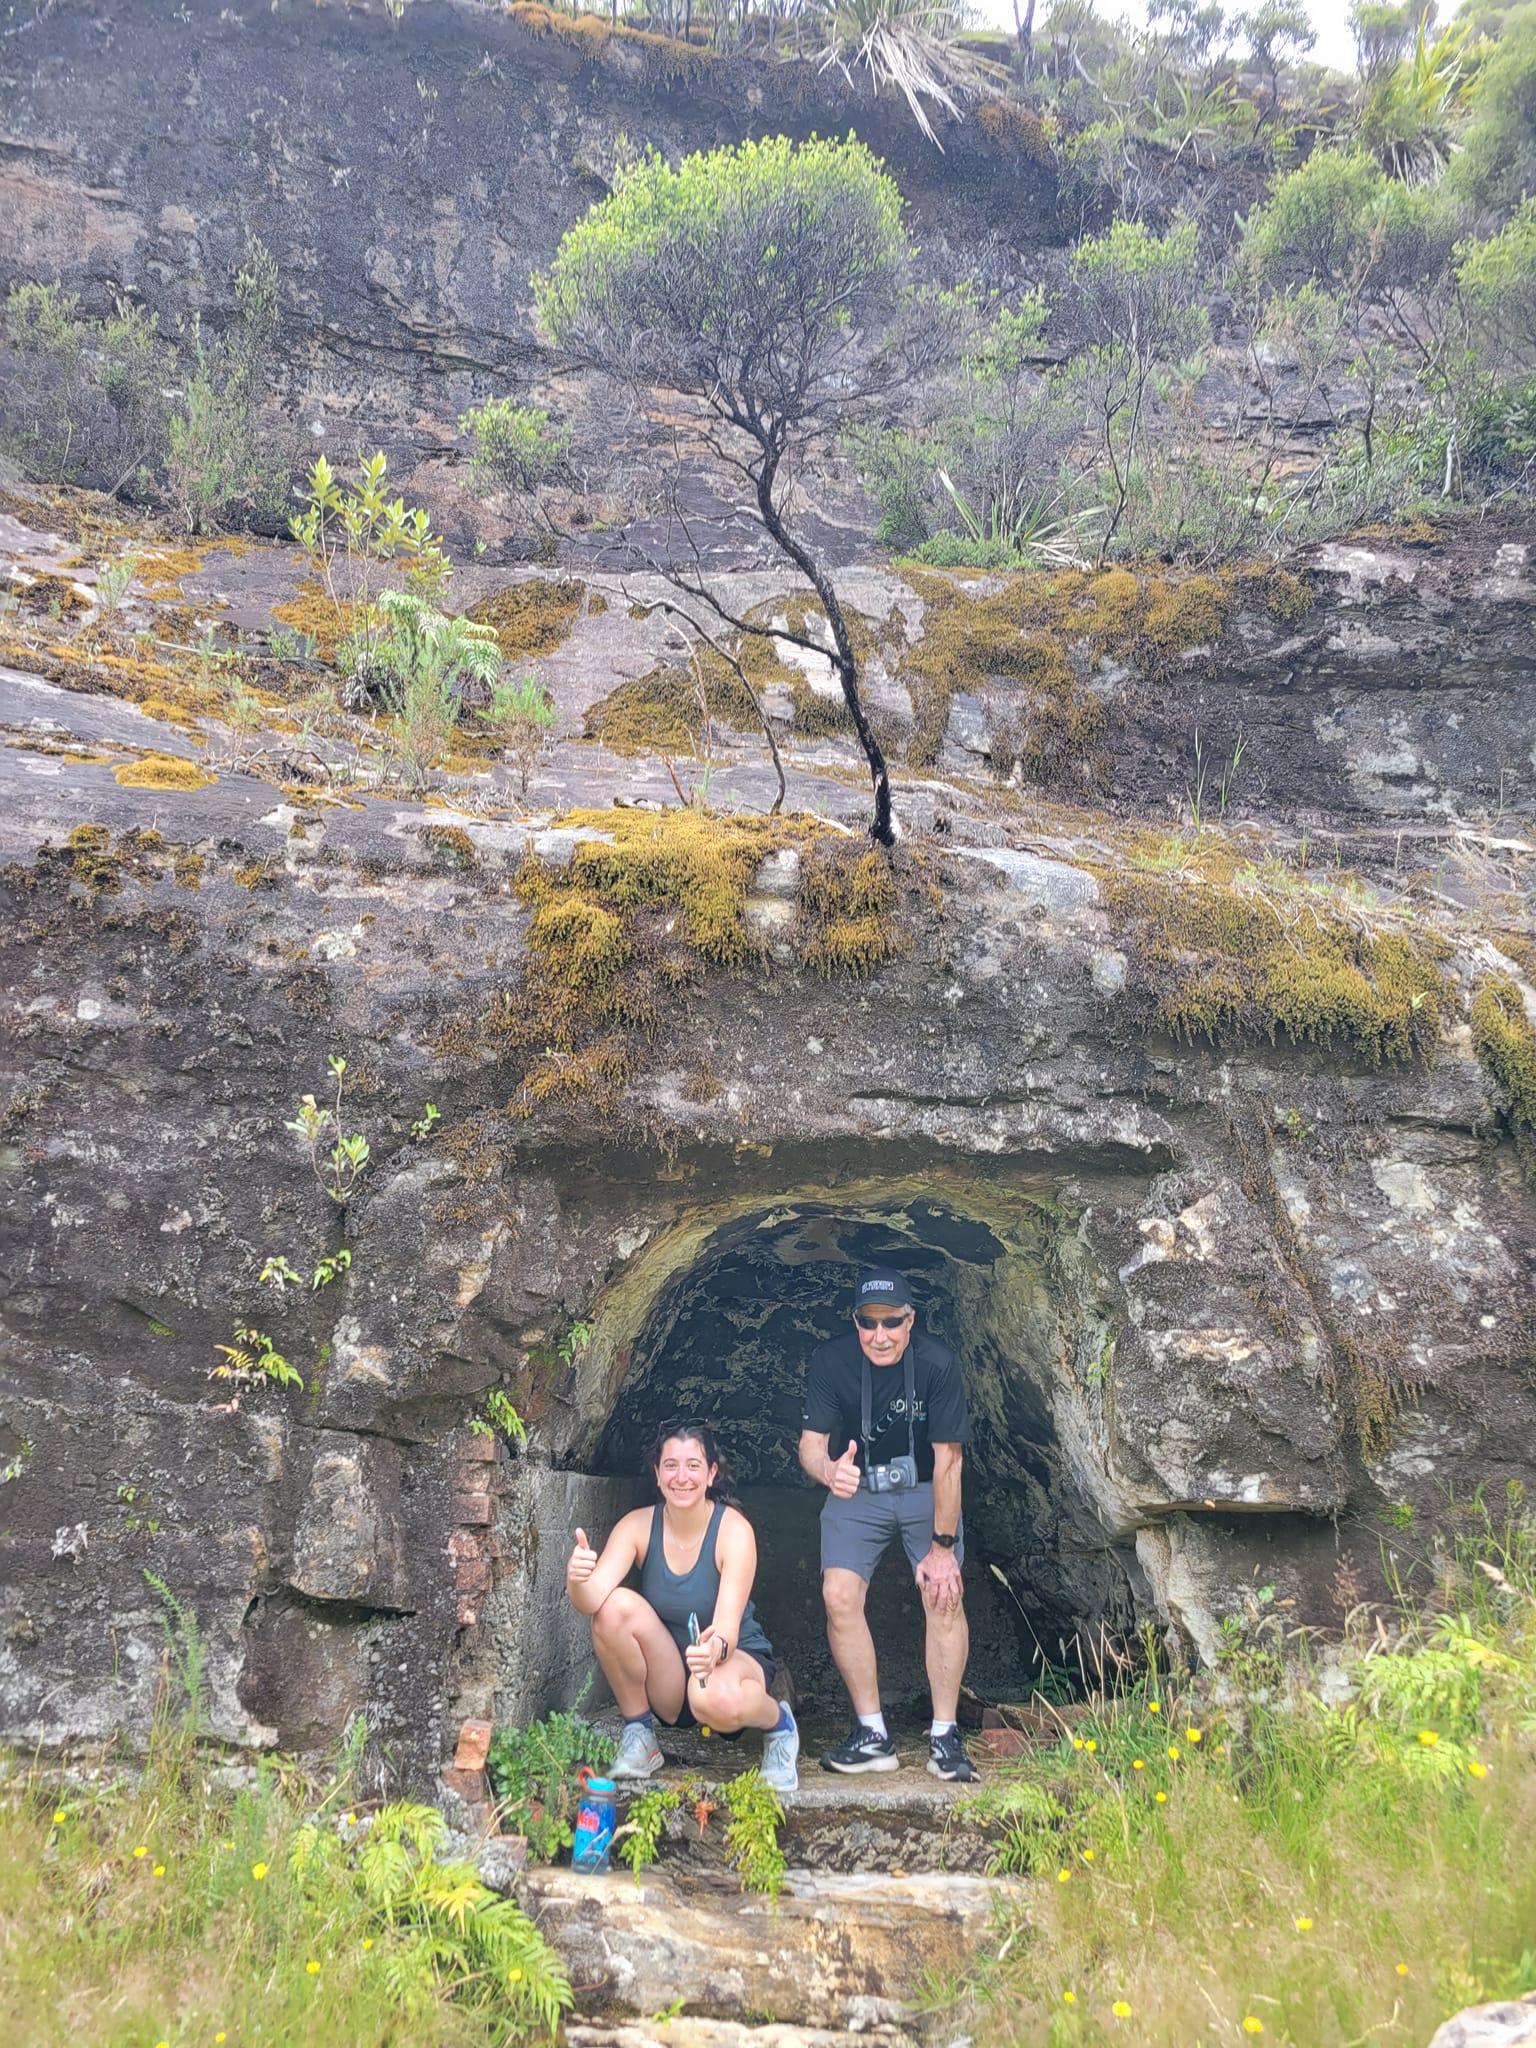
{"type": "Point", "coordinates": [885, 1426]}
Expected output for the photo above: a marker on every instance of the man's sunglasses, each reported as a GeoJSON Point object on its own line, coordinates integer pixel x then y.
{"type": "Point", "coordinates": [867, 1319]}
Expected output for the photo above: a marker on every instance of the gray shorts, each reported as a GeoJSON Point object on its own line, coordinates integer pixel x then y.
{"type": "Point", "coordinates": [856, 1533]}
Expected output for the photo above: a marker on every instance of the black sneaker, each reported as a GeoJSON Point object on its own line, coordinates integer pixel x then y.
{"type": "Point", "coordinates": [863, 1750]}
{"type": "Point", "coordinates": [947, 1757]}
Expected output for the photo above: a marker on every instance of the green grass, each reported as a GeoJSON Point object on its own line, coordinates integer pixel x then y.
{"type": "Point", "coordinates": [1245, 1861]}
{"type": "Point", "coordinates": [144, 1909]}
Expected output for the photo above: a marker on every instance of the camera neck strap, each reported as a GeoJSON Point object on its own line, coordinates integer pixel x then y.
{"type": "Point", "coordinates": [866, 1401]}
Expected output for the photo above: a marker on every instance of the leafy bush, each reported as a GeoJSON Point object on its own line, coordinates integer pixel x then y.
{"type": "Point", "coordinates": [83, 398]}
{"type": "Point", "coordinates": [219, 461]}
{"type": "Point", "coordinates": [752, 1832]}
{"type": "Point", "coordinates": [515, 447]}
{"type": "Point", "coordinates": [523, 715]}
{"type": "Point", "coordinates": [947, 550]}
{"type": "Point", "coordinates": [533, 1774]}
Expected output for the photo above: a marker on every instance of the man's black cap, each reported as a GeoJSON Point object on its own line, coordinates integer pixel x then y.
{"type": "Point", "coordinates": [881, 1288]}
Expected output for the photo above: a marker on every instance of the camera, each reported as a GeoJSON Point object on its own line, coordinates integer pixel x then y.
{"type": "Point", "coordinates": [899, 1476]}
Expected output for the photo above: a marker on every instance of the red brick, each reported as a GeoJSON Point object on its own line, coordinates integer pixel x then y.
{"type": "Point", "coordinates": [476, 1447]}
{"type": "Point", "coordinates": [466, 1543]}
{"type": "Point", "coordinates": [470, 1508]}
{"type": "Point", "coordinates": [472, 1575]}
{"type": "Point", "coordinates": [469, 1785]}
{"type": "Point", "coordinates": [1005, 1742]}
{"type": "Point", "coordinates": [474, 1478]}
{"type": "Point", "coordinates": [474, 1746]}
{"type": "Point", "coordinates": [991, 1718]}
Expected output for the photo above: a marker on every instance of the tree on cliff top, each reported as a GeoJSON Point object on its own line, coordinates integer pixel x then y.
{"type": "Point", "coordinates": [770, 286]}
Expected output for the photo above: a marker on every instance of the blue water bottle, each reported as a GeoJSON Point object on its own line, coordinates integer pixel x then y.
{"type": "Point", "coordinates": [596, 1813]}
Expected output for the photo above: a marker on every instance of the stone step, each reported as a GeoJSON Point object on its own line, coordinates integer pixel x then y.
{"type": "Point", "coordinates": [835, 1950]}
{"type": "Point", "coordinates": [902, 1822]}
{"type": "Point", "coordinates": [686, 2033]}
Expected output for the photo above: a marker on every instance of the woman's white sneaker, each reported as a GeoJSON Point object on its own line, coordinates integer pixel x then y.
{"type": "Point", "coordinates": [781, 1754]}
{"type": "Point", "coordinates": [639, 1752]}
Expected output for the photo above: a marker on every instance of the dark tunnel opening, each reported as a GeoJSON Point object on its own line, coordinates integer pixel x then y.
{"type": "Point", "coordinates": [728, 1341]}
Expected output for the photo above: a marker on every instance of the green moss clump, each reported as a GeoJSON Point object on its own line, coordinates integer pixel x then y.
{"type": "Point", "coordinates": [1224, 962]}
{"type": "Point", "coordinates": [532, 618]}
{"type": "Point", "coordinates": [1505, 1042]}
{"type": "Point", "coordinates": [1010, 124]}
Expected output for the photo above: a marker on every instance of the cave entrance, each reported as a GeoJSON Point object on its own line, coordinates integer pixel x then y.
{"type": "Point", "coordinates": [726, 1338]}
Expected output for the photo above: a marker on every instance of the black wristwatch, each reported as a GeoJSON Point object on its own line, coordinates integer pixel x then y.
{"type": "Point", "coordinates": [944, 1542]}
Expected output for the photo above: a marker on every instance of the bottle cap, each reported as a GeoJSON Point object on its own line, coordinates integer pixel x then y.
{"type": "Point", "coordinates": [600, 1784]}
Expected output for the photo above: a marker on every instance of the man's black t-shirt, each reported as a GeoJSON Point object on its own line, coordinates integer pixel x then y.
{"type": "Point", "coordinates": [832, 1401]}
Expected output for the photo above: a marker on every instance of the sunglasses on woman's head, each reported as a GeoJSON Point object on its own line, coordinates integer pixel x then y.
{"type": "Point", "coordinates": [869, 1319]}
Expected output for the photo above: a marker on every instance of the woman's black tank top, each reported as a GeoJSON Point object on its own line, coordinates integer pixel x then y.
{"type": "Point", "coordinates": [676, 1595]}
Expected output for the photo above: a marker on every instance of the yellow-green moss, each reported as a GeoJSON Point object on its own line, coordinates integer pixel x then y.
{"type": "Point", "coordinates": [658, 713]}
{"type": "Point", "coordinates": [163, 771]}
{"type": "Point", "coordinates": [313, 612]}
{"type": "Point", "coordinates": [1007, 122]}
{"type": "Point", "coordinates": [643, 913]}
{"type": "Point", "coordinates": [597, 604]}
{"type": "Point", "coordinates": [532, 618]}
{"type": "Point", "coordinates": [847, 907]}
{"type": "Point", "coordinates": [450, 843]}
{"type": "Point", "coordinates": [665, 57]}
{"type": "Point", "coordinates": [1223, 961]}
{"type": "Point", "coordinates": [1505, 1042]}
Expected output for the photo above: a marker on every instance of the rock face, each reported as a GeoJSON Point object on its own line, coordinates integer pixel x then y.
{"type": "Point", "coordinates": [1178, 1278]}
{"type": "Point", "coordinates": [1510, 2024]}
{"type": "Point", "coordinates": [830, 1951]}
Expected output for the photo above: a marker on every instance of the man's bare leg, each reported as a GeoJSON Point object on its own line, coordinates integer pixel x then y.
{"type": "Point", "coordinates": [852, 1645]}
{"type": "Point", "coordinates": [947, 1646]}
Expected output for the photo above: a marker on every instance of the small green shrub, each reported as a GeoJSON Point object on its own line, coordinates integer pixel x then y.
{"type": "Point", "coordinates": [752, 1833]}
{"type": "Point", "coordinates": [515, 447]}
{"type": "Point", "coordinates": [533, 1774]}
{"type": "Point", "coordinates": [522, 714]}
{"type": "Point", "coordinates": [639, 1839]}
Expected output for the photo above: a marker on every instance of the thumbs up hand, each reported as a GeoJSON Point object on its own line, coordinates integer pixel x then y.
{"type": "Point", "coordinates": [843, 1475]}
{"type": "Point", "coordinates": [583, 1559]}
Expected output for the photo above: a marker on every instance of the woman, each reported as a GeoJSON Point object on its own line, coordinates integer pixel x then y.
{"type": "Point", "coordinates": [696, 1555]}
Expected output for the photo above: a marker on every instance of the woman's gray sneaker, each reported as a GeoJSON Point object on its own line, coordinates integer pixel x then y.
{"type": "Point", "coordinates": [863, 1750]}
{"type": "Point", "coordinates": [947, 1757]}
{"type": "Point", "coordinates": [781, 1752]}
{"type": "Point", "coordinates": [639, 1752]}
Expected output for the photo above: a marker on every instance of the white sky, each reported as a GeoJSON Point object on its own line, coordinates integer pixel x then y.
{"type": "Point", "coordinates": [1330, 18]}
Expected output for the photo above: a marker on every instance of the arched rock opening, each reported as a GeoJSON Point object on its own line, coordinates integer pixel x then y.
{"type": "Point", "coordinates": [723, 1333]}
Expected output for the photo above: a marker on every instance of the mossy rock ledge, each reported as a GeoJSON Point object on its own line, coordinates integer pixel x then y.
{"type": "Point", "coordinates": [1235, 1286]}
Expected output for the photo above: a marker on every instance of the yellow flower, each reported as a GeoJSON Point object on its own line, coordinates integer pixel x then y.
{"type": "Point", "coordinates": [1069, 1998]}
{"type": "Point", "coordinates": [1402, 1969]}
{"type": "Point", "coordinates": [1477, 1770]}
{"type": "Point", "coordinates": [1303, 1924]}
{"type": "Point", "coordinates": [514, 1976]}
{"type": "Point", "coordinates": [1154, 1706]}
{"type": "Point", "coordinates": [1120, 2009]}
{"type": "Point", "coordinates": [1173, 1754]}
{"type": "Point", "coordinates": [1194, 1734]}
{"type": "Point", "coordinates": [312, 1968]}
{"type": "Point", "coordinates": [1161, 1798]}
{"type": "Point", "coordinates": [350, 1819]}
{"type": "Point", "coordinates": [258, 1871]}
{"type": "Point", "coordinates": [1077, 1742]}
{"type": "Point", "coordinates": [226, 1845]}
{"type": "Point", "coordinates": [141, 1850]}
{"type": "Point", "coordinates": [60, 1817]}
{"type": "Point", "coordinates": [367, 1941]}
{"type": "Point", "coordinates": [1063, 1877]}
{"type": "Point", "coordinates": [1429, 1737]}
{"type": "Point", "coordinates": [159, 1870]}
{"type": "Point", "coordinates": [1090, 1744]}
{"type": "Point", "coordinates": [218, 2038]}
{"type": "Point", "coordinates": [1252, 2025]}
{"type": "Point", "coordinates": [1137, 1764]}
{"type": "Point", "coordinates": [1087, 1855]}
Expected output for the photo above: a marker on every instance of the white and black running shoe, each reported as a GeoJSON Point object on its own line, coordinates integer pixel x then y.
{"type": "Point", "coordinates": [947, 1757]}
{"type": "Point", "coordinates": [863, 1750]}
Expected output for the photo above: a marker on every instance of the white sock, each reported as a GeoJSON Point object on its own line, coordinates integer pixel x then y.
{"type": "Point", "coordinates": [874, 1721]}
{"type": "Point", "coordinates": [942, 1728]}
